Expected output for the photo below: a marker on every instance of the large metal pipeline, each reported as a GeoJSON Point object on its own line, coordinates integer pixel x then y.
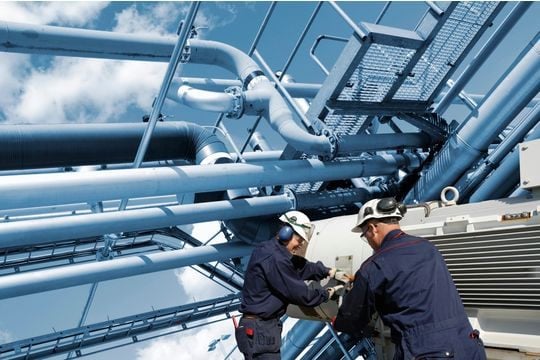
{"type": "Point", "coordinates": [504, 102]}
{"type": "Point", "coordinates": [469, 182]}
{"type": "Point", "coordinates": [66, 276]}
{"type": "Point", "coordinates": [50, 230]}
{"type": "Point", "coordinates": [60, 145]}
{"type": "Point", "coordinates": [64, 188]}
{"type": "Point", "coordinates": [52, 40]}
{"type": "Point", "coordinates": [505, 177]}
{"type": "Point", "coordinates": [62, 41]}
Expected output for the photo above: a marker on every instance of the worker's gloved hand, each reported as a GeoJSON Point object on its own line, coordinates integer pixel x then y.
{"type": "Point", "coordinates": [334, 291]}
{"type": "Point", "coordinates": [343, 277]}
{"type": "Point", "coordinates": [332, 272]}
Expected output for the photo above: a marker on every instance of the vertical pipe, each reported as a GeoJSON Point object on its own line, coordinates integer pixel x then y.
{"type": "Point", "coordinates": [504, 102]}
{"type": "Point", "coordinates": [251, 49]}
{"type": "Point", "coordinates": [483, 54]}
{"type": "Point", "coordinates": [164, 89]}
{"type": "Point", "coordinates": [282, 90]}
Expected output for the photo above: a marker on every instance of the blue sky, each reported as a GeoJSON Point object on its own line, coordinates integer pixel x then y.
{"type": "Point", "coordinates": [44, 89]}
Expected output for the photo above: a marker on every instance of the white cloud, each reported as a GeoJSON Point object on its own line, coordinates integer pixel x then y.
{"type": "Point", "coordinates": [5, 337]}
{"type": "Point", "coordinates": [63, 12]}
{"type": "Point", "coordinates": [88, 90]}
{"type": "Point", "coordinates": [195, 285]}
{"type": "Point", "coordinates": [149, 19]}
{"type": "Point", "coordinates": [81, 90]}
{"type": "Point", "coordinates": [85, 90]}
{"type": "Point", "coordinates": [192, 344]}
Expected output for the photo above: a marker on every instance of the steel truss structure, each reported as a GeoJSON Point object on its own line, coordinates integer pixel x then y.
{"type": "Point", "coordinates": [348, 140]}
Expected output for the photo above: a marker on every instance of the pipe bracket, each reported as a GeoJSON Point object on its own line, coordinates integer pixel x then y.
{"type": "Point", "coordinates": [186, 54]}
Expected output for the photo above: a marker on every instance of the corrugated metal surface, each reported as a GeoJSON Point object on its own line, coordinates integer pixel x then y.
{"type": "Point", "coordinates": [496, 268]}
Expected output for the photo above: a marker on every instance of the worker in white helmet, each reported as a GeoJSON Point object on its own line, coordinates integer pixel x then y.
{"type": "Point", "coordinates": [407, 282]}
{"type": "Point", "coordinates": [274, 279]}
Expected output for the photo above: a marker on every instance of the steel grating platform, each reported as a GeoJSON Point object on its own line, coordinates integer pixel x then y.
{"type": "Point", "coordinates": [399, 72]}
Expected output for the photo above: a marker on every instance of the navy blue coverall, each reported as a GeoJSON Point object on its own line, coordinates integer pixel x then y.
{"type": "Point", "coordinates": [407, 282]}
{"type": "Point", "coordinates": [274, 279]}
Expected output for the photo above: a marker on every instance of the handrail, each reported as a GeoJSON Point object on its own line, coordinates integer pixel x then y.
{"type": "Point", "coordinates": [348, 20]}
{"type": "Point", "coordinates": [282, 89]}
{"type": "Point", "coordinates": [301, 38]}
{"type": "Point", "coordinates": [252, 48]}
{"type": "Point", "coordinates": [287, 63]}
{"type": "Point", "coordinates": [383, 11]}
{"type": "Point", "coordinates": [316, 44]}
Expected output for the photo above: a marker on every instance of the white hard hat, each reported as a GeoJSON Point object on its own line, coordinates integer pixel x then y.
{"type": "Point", "coordinates": [300, 223]}
{"type": "Point", "coordinates": [379, 209]}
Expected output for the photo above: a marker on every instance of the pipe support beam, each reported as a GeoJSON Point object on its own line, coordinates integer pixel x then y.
{"type": "Point", "coordinates": [80, 274]}
{"type": "Point", "coordinates": [64, 188]}
{"type": "Point", "coordinates": [47, 230]}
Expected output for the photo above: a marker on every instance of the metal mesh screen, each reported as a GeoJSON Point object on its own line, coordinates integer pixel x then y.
{"type": "Point", "coordinates": [378, 70]}
{"type": "Point", "coordinates": [450, 42]}
{"type": "Point", "coordinates": [345, 124]}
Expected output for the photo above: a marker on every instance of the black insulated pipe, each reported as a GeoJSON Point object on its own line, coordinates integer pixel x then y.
{"type": "Point", "coordinates": [62, 145]}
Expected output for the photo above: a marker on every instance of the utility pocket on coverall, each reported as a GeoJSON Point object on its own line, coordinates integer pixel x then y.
{"type": "Point", "coordinates": [256, 336]}
{"type": "Point", "coordinates": [267, 338]}
{"type": "Point", "coordinates": [244, 336]}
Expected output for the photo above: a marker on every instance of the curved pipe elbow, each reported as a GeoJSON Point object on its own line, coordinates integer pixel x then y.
{"type": "Point", "coordinates": [281, 119]}
{"type": "Point", "coordinates": [265, 100]}
{"type": "Point", "coordinates": [204, 100]}
{"type": "Point", "coordinates": [225, 56]}
{"type": "Point", "coordinates": [276, 111]}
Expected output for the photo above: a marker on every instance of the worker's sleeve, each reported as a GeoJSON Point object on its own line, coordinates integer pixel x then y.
{"type": "Point", "coordinates": [357, 308]}
{"type": "Point", "coordinates": [308, 270]}
{"type": "Point", "coordinates": [287, 284]}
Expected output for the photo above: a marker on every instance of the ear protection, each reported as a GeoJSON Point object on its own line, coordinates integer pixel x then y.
{"type": "Point", "coordinates": [285, 234]}
{"type": "Point", "coordinates": [389, 205]}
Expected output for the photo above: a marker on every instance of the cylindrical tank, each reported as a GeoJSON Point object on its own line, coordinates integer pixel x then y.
{"type": "Point", "coordinates": [336, 246]}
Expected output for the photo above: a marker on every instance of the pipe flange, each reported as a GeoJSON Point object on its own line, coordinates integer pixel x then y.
{"type": "Point", "coordinates": [238, 102]}
{"type": "Point", "coordinates": [292, 198]}
{"type": "Point", "coordinates": [333, 140]}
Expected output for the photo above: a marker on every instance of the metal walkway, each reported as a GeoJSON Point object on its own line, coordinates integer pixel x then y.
{"type": "Point", "coordinates": [130, 327]}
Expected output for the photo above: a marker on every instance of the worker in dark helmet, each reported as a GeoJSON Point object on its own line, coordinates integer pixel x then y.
{"type": "Point", "coordinates": [274, 279]}
{"type": "Point", "coordinates": [407, 282]}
